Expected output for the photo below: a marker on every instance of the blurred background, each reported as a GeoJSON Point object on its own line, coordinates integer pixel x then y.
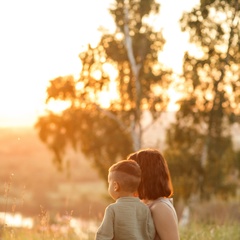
{"type": "Point", "coordinates": [85, 83]}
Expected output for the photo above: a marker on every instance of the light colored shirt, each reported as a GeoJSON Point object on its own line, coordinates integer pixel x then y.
{"type": "Point", "coordinates": [126, 219]}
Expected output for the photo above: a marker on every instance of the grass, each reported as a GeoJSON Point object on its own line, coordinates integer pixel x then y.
{"type": "Point", "coordinates": [24, 234]}
{"type": "Point", "coordinates": [194, 231]}
{"type": "Point", "coordinates": [210, 232]}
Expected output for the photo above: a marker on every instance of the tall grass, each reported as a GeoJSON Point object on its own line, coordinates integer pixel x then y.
{"type": "Point", "coordinates": [200, 231]}
{"type": "Point", "coordinates": [191, 232]}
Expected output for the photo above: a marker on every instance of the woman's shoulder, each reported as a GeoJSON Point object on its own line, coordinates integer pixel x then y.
{"type": "Point", "coordinates": [161, 200]}
{"type": "Point", "coordinates": [163, 205]}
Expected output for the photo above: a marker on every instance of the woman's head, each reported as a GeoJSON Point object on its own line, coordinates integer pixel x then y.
{"type": "Point", "coordinates": [156, 180]}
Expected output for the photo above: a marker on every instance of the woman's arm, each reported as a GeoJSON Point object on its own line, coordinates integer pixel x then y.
{"type": "Point", "coordinates": [165, 222]}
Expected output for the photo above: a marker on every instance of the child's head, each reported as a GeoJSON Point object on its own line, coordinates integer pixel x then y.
{"type": "Point", "coordinates": [124, 178]}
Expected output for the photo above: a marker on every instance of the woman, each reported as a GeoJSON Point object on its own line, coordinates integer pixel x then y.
{"type": "Point", "coordinates": [156, 191]}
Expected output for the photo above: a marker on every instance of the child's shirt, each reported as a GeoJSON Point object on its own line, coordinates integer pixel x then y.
{"type": "Point", "coordinates": [126, 219]}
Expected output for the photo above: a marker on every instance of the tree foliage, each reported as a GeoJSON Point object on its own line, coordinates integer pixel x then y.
{"type": "Point", "coordinates": [200, 147]}
{"type": "Point", "coordinates": [124, 62]}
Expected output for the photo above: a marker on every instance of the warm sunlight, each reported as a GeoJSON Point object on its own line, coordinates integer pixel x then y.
{"type": "Point", "coordinates": [41, 40]}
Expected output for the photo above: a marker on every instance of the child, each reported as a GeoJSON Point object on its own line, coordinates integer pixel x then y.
{"type": "Point", "coordinates": [128, 218]}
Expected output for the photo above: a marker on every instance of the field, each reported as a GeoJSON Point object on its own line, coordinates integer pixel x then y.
{"type": "Point", "coordinates": [192, 232]}
{"type": "Point", "coordinates": [33, 180]}
{"type": "Point", "coordinates": [70, 204]}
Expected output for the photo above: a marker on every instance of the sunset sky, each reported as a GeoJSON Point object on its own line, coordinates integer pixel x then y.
{"type": "Point", "coordinates": [41, 40]}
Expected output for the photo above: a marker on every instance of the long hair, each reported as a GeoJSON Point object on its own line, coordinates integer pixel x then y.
{"type": "Point", "coordinates": [156, 179]}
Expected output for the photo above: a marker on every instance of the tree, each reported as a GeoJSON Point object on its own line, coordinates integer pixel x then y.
{"type": "Point", "coordinates": [105, 134]}
{"type": "Point", "coordinates": [200, 147]}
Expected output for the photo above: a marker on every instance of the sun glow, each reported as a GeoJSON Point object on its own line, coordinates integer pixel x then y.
{"type": "Point", "coordinates": [41, 40]}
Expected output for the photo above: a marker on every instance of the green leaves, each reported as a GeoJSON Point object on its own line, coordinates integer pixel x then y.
{"type": "Point", "coordinates": [201, 135]}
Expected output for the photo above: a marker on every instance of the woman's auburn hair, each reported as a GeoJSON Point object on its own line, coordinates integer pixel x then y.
{"type": "Point", "coordinates": [156, 179]}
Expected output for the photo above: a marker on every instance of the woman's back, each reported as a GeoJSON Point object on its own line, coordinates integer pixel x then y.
{"type": "Point", "coordinates": [165, 217]}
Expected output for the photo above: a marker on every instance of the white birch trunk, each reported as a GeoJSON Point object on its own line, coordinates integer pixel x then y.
{"type": "Point", "coordinates": [136, 129]}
